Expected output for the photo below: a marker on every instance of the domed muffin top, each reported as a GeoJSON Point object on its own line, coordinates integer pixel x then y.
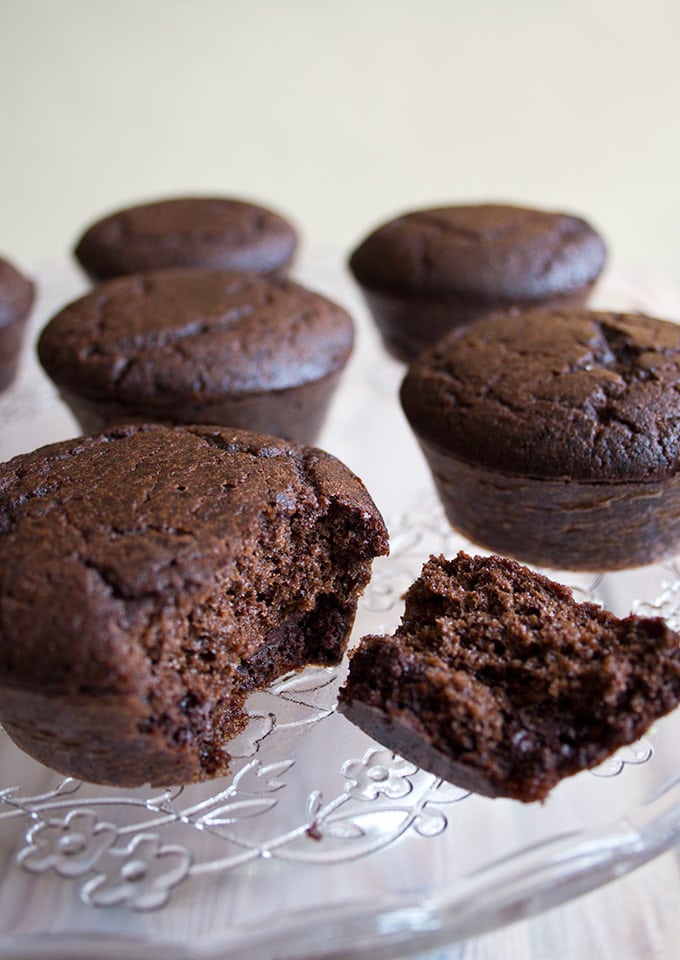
{"type": "Point", "coordinates": [216, 232]}
{"type": "Point", "coordinates": [188, 334]}
{"type": "Point", "coordinates": [486, 252]}
{"type": "Point", "coordinates": [583, 395]}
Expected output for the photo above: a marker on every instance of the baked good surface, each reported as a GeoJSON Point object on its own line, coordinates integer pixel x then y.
{"type": "Point", "coordinates": [199, 346]}
{"type": "Point", "coordinates": [214, 232]}
{"type": "Point", "coordinates": [499, 681]}
{"type": "Point", "coordinates": [555, 437]}
{"type": "Point", "coordinates": [16, 299]}
{"type": "Point", "coordinates": [430, 270]}
{"type": "Point", "coordinates": [150, 577]}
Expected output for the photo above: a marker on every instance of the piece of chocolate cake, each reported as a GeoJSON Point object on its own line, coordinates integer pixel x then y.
{"type": "Point", "coordinates": [499, 681]}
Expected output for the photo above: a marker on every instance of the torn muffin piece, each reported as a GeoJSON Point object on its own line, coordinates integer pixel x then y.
{"type": "Point", "coordinates": [500, 682]}
{"type": "Point", "coordinates": [151, 577]}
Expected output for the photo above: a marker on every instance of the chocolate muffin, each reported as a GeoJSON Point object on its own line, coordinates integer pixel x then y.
{"type": "Point", "coordinates": [199, 346]}
{"type": "Point", "coordinates": [151, 577]}
{"type": "Point", "coordinates": [555, 437]}
{"type": "Point", "coordinates": [16, 300]}
{"type": "Point", "coordinates": [497, 680]}
{"type": "Point", "coordinates": [212, 232]}
{"type": "Point", "coordinates": [431, 270]}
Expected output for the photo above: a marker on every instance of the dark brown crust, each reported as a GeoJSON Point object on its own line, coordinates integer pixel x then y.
{"type": "Point", "coordinates": [188, 346]}
{"type": "Point", "coordinates": [151, 577]}
{"type": "Point", "coordinates": [430, 271]}
{"type": "Point", "coordinates": [16, 300]}
{"type": "Point", "coordinates": [562, 524]}
{"type": "Point", "coordinates": [555, 437]}
{"type": "Point", "coordinates": [567, 394]}
{"type": "Point", "coordinates": [499, 681]}
{"type": "Point", "coordinates": [297, 413]}
{"type": "Point", "coordinates": [213, 232]}
{"type": "Point", "coordinates": [409, 326]}
{"type": "Point", "coordinates": [487, 253]}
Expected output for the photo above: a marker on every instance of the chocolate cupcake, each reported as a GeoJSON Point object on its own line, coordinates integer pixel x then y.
{"type": "Point", "coordinates": [431, 270]}
{"type": "Point", "coordinates": [16, 300]}
{"type": "Point", "coordinates": [497, 680]}
{"type": "Point", "coordinates": [199, 346]}
{"type": "Point", "coordinates": [213, 232]}
{"type": "Point", "coordinates": [151, 577]}
{"type": "Point", "coordinates": [555, 437]}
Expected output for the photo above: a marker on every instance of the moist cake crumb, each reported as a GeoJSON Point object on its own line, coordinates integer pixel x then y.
{"type": "Point", "coordinates": [499, 681]}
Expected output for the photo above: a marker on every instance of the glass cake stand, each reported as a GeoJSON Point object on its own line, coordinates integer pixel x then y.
{"type": "Point", "coordinates": [320, 843]}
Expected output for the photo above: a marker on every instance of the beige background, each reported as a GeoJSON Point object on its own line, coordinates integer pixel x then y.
{"type": "Point", "coordinates": [341, 113]}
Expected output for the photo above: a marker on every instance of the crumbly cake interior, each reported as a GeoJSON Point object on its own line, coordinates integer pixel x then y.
{"type": "Point", "coordinates": [286, 603]}
{"type": "Point", "coordinates": [497, 678]}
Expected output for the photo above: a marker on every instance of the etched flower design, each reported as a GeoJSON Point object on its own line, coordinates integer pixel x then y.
{"type": "Point", "coordinates": [70, 846]}
{"type": "Point", "coordinates": [379, 772]}
{"type": "Point", "coordinates": [431, 821]}
{"type": "Point", "coordinates": [139, 876]}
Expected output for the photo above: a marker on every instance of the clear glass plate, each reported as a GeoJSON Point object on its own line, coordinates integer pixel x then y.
{"type": "Point", "coordinates": [321, 843]}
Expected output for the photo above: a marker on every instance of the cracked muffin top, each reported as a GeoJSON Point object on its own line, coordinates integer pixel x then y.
{"type": "Point", "coordinates": [486, 252]}
{"type": "Point", "coordinates": [188, 334]}
{"type": "Point", "coordinates": [584, 395]}
{"type": "Point", "coordinates": [107, 527]}
{"type": "Point", "coordinates": [213, 232]}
